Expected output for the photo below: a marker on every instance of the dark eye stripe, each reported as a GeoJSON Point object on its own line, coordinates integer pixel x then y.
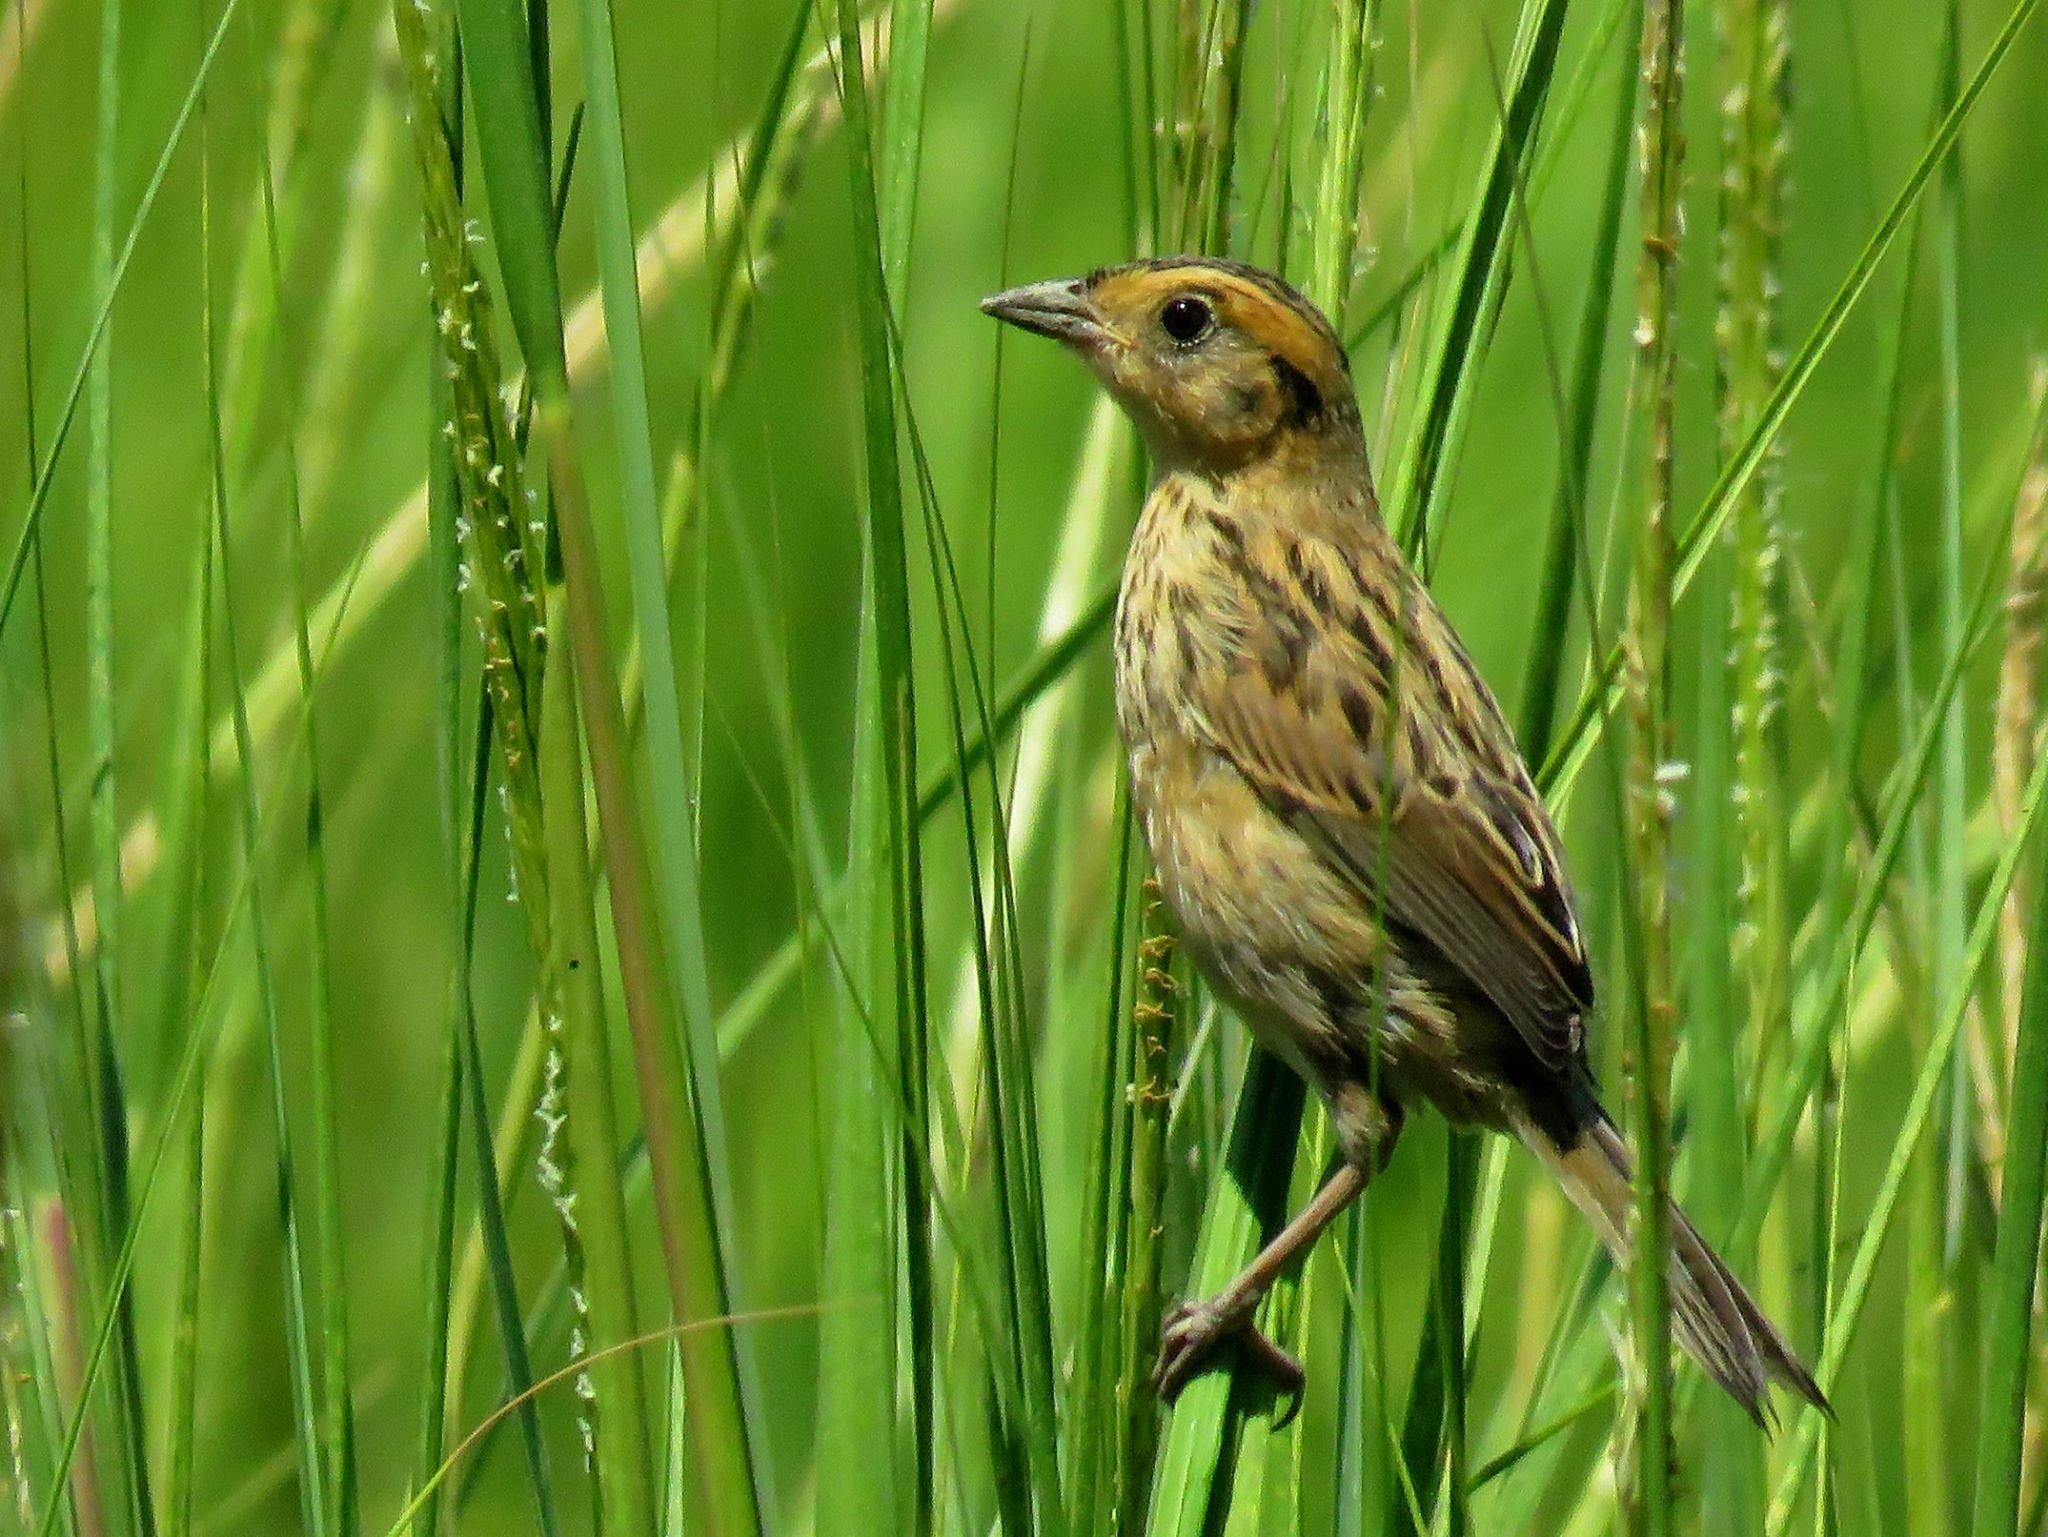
{"type": "Point", "coordinates": [1304, 400]}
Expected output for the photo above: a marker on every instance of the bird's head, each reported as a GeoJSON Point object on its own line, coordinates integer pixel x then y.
{"type": "Point", "coordinates": [1218, 364]}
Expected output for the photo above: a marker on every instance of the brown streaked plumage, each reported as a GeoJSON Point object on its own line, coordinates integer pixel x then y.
{"type": "Point", "coordinates": [1350, 841]}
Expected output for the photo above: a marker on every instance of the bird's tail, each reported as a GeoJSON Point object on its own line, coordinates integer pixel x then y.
{"type": "Point", "coordinates": [1718, 1323]}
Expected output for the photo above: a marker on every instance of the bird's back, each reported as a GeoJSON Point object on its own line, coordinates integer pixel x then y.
{"type": "Point", "coordinates": [1283, 684]}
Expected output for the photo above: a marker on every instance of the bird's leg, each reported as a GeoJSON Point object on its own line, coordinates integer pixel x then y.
{"type": "Point", "coordinates": [1194, 1329]}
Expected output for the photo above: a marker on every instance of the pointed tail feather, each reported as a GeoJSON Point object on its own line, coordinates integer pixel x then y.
{"type": "Point", "coordinates": [1718, 1323]}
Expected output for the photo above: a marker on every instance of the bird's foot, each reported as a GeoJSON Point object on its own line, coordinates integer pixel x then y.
{"type": "Point", "coordinates": [1193, 1330]}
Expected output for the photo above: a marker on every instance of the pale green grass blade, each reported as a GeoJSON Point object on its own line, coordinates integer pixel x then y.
{"type": "Point", "coordinates": [104, 819]}
{"type": "Point", "coordinates": [902, 139]}
{"type": "Point", "coordinates": [859, 1447]}
{"type": "Point", "coordinates": [1102, 1447]}
{"type": "Point", "coordinates": [182, 983]}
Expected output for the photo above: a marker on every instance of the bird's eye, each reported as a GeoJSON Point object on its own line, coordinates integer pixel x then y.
{"type": "Point", "coordinates": [1186, 319]}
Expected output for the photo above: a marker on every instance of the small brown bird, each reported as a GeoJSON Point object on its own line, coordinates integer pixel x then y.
{"type": "Point", "coordinates": [1341, 822]}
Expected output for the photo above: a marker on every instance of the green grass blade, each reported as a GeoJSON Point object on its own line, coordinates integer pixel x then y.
{"type": "Point", "coordinates": [903, 998]}
{"type": "Point", "coordinates": [1740, 991]}
{"type": "Point", "coordinates": [1561, 552]}
{"type": "Point", "coordinates": [491, 1218]}
{"type": "Point", "coordinates": [672, 787]}
{"type": "Point", "coordinates": [2009, 1303]}
{"type": "Point", "coordinates": [1248, 1199]}
{"type": "Point", "coordinates": [1476, 284]}
{"type": "Point", "coordinates": [511, 145]}
{"type": "Point", "coordinates": [2015, 1260]}
{"type": "Point", "coordinates": [318, 1497]}
{"type": "Point", "coordinates": [182, 989]}
{"type": "Point", "coordinates": [122, 1454]}
{"type": "Point", "coordinates": [337, 1412]}
{"type": "Point", "coordinates": [1925, 1376]}
{"type": "Point", "coordinates": [860, 1445]}
{"type": "Point", "coordinates": [39, 492]}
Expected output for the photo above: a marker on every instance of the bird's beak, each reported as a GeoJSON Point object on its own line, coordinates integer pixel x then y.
{"type": "Point", "coordinates": [1059, 309]}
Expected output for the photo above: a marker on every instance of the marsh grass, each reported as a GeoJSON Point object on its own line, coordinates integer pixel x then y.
{"type": "Point", "coordinates": [815, 1138]}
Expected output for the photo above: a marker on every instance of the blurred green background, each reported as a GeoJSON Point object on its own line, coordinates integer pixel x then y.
{"type": "Point", "coordinates": [1021, 177]}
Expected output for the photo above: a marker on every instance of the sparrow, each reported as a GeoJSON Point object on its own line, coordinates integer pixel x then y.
{"type": "Point", "coordinates": [1352, 847]}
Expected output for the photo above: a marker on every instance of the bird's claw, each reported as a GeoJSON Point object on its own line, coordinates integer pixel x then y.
{"type": "Point", "coordinates": [1192, 1331]}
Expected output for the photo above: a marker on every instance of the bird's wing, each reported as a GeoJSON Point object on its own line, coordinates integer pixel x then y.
{"type": "Point", "coordinates": [1423, 803]}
